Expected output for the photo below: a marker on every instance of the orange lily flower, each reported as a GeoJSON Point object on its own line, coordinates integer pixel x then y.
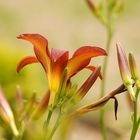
{"type": "Point", "coordinates": [55, 62]}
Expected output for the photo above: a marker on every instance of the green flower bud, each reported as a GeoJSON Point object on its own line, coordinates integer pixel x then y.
{"type": "Point", "coordinates": [133, 69]}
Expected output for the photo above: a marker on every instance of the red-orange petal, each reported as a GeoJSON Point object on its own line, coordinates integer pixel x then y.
{"type": "Point", "coordinates": [40, 44]}
{"type": "Point", "coordinates": [56, 54]}
{"type": "Point", "coordinates": [25, 61]}
{"type": "Point", "coordinates": [37, 40]}
{"type": "Point", "coordinates": [58, 68]}
{"type": "Point", "coordinates": [61, 62]}
{"type": "Point", "coordinates": [82, 57]}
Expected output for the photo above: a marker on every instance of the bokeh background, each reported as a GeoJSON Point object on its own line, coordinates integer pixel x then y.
{"type": "Point", "coordinates": [67, 24]}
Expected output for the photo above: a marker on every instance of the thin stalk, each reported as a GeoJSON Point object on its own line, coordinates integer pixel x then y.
{"type": "Point", "coordinates": [138, 123]}
{"type": "Point", "coordinates": [55, 126]}
{"type": "Point", "coordinates": [136, 120]}
{"type": "Point", "coordinates": [103, 83]}
{"type": "Point", "coordinates": [46, 124]}
{"type": "Point", "coordinates": [21, 133]}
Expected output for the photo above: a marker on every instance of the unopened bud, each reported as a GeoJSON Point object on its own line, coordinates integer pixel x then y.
{"type": "Point", "coordinates": [7, 114]}
{"type": "Point", "coordinates": [133, 69]}
{"type": "Point", "coordinates": [123, 66]}
{"type": "Point", "coordinates": [133, 66]}
{"type": "Point", "coordinates": [91, 5]}
{"type": "Point", "coordinates": [42, 106]}
{"type": "Point", "coordinates": [125, 71]}
{"type": "Point", "coordinates": [89, 82]}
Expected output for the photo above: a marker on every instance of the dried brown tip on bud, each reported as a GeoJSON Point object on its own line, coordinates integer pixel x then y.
{"type": "Point", "coordinates": [91, 5]}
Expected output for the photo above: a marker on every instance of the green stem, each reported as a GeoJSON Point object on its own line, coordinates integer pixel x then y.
{"type": "Point", "coordinates": [136, 120]}
{"type": "Point", "coordinates": [103, 84]}
{"type": "Point", "coordinates": [138, 123]}
{"type": "Point", "coordinates": [133, 134]}
{"type": "Point", "coordinates": [21, 133]}
{"type": "Point", "coordinates": [55, 126]}
{"type": "Point", "coordinates": [46, 124]}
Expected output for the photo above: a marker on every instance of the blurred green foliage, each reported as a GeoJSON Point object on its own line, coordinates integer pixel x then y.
{"type": "Point", "coordinates": [30, 79]}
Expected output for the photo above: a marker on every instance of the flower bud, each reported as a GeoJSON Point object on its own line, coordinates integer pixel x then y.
{"type": "Point", "coordinates": [89, 82]}
{"type": "Point", "coordinates": [29, 108]}
{"type": "Point", "coordinates": [91, 5]}
{"type": "Point", "coordinates": [133, 69]}
{"type": "Point", "coordinates": [123, 66]}
{"type": "Point", "coordinates": [42, 106]}
{"type": "Point", "coordinates": [125, 71]}
{"type": "Point", "coordinates": [7, 114]}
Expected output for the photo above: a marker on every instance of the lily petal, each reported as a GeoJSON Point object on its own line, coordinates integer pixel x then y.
{"type": "Point", "coordinates": [37, 40]}
{"type": "Point", "coordinates": [82, 57]}
{"type": "Point", "coordinates": [56, 53]}
{"type": "Point", "coordinates": [40, 44]}
{"type": "Point", "coordinates": [25, 61]}
{"type": "Point", "coordinates": [57, 70]}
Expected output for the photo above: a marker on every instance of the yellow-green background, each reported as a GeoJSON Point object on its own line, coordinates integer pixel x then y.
{"type": "Point", "coordinates": [67, 24]}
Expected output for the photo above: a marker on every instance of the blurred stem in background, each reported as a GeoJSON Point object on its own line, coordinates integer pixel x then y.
{"type": "Point", "coordinates": [103, 83]}
{"type": "Point", "coordinates": [106, 12]}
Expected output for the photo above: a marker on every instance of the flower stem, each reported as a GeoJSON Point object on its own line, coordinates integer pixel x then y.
{"type": "Point", "coordinates": [103, 84]}
{"type": "Point", "coordinates": [55, 126]}
{"type": "Point", "coordinates": [46, 124]}
{"type": "Point", "coordinates": [21, 133]}
{"type": "Point", "coordinates": [136, 120]}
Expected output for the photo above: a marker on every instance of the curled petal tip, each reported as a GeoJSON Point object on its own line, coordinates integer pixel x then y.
{"type": "Point", "coordinates": [25, 61]}
{"type": "Point", "coordinates": [105, 53]}
{"type": "Point", "coordinates": [17, 69]}
{"type": "Point", "coordinates": [25, 36]}
{"type": "Point", "coordinates": [20, 36]}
